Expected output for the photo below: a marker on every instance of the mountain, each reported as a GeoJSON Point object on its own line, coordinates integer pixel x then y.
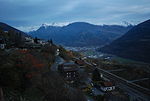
{"type": "Point", "coordinates": [6, 27]}
{"type": "Point", "coordinates": [135, 44]}
{"type": "Point", "coordinates": [81, 34]}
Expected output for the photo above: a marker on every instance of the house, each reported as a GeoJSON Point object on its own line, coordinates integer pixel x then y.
{"type": "Point", "coordinates": [57, 52]}
{"type": "Point", "coordinates": [36, 46]}
{"type": "Point", "coordinates": [29, 40]}
{"type": "Point", "coordinates": [80, 62]}
{"type": "Point", "coordinates": [2, 43]}
{"type": "Point", "coordinates": [69, 71]}
{"type": "Point", "coordinates": [42, 42]}
{"type": "Point", "coordinates": [5, 31]}
{"type": "Point", "coordinates": [107, 86]}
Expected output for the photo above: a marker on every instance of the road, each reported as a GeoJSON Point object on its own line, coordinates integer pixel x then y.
{"type": "Point", "coordinates": [143, 79]}
{"type": "Point", "coordinates": [58, 61]}
{"type": "Point", "coordinates": [135, 91]}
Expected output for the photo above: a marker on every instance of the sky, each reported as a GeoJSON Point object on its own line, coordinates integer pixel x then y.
{"type": "Point", "coordinates": [30, 14]}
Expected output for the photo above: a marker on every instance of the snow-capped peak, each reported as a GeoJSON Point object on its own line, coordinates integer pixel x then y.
{"type": "Point", "coordinates": [45, 25]}
{"type": "Point", "coordinates": [54, 24]}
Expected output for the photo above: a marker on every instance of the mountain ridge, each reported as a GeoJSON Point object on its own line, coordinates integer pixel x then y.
{"type": "Point", "coordinates": [81, 33]}
{"type": "Point", "coordinates": [6, 27]}
{"type": "Point", "coordinates": [135, 44]}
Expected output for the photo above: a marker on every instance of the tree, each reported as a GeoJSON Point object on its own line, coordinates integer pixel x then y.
{"type": "Point", "coordinates": [96, 75]}
{"type": "Point", "coordinates": [36, 40]}
{"type": "Point", "coordinates": [50, 42]}
{"type": "Point", "coordinates": [14, 38]}
{"type": "Point", "coordinates": [18, 39]}
{"type": "Point", "coordinates": [1, 95]}
{"type": "Point", "coordinates": [64, 53]}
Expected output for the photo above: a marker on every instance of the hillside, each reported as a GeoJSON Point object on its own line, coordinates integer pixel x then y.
{"type": "Point", "coordinates": [135, 44]}
{"type": "Point", "coordinates": [6, 27]}
{"type": "Point", "coordinates": [26, 75]}
{"type": "Point", "coordinates": [11, 36]}
{"type": "Point", "coordinates": [81, 34]}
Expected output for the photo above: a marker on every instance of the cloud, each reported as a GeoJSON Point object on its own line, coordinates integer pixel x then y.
{"type": "Point", "coordinates": [28, 28]}
{"type": "Point", "coordinates": [35, 12]}
{"type": "Point", "coordinates": [33, 28]}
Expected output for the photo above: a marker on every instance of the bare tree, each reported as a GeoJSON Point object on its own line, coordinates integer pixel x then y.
{"type": "Point", "coordinates": [1, 95]}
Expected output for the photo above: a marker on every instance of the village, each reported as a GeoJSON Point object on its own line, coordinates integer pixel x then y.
{"type": "Point", "coordinates": [76, 72]}
{"type": "Point", "coordinates": [91, 83]}
{"type": "Point", "coordinates": [80, 74]}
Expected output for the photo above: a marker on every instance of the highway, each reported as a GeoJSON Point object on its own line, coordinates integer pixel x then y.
{"type": "Point", "coordinates": [132, 89]}
{"type": "Point", "coordinates": [136, 92]}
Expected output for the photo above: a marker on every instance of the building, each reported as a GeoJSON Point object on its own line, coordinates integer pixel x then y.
{"type": "Point", "coordinates": [57, 52]}
{"type": "Point", "coordinates": [80, 62]}
{"type": "Point", "coordinates": [42, 42]}
{"type": "Point", "coordinates": [29, 40]}
{"type": "Point", "coordinates": [107, 86]}
{"type": "Point", "coordinates": [69, 71]}
{"type": "Point", "coordinates": [2, 43]}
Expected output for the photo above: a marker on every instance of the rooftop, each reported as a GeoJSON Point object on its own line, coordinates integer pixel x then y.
{"type": "Point", "coordinates": [70, 69]}
{"type": "Point", "coordinates": [107, 84]}
{"type": "Point", "coordinates": [69, 63]}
